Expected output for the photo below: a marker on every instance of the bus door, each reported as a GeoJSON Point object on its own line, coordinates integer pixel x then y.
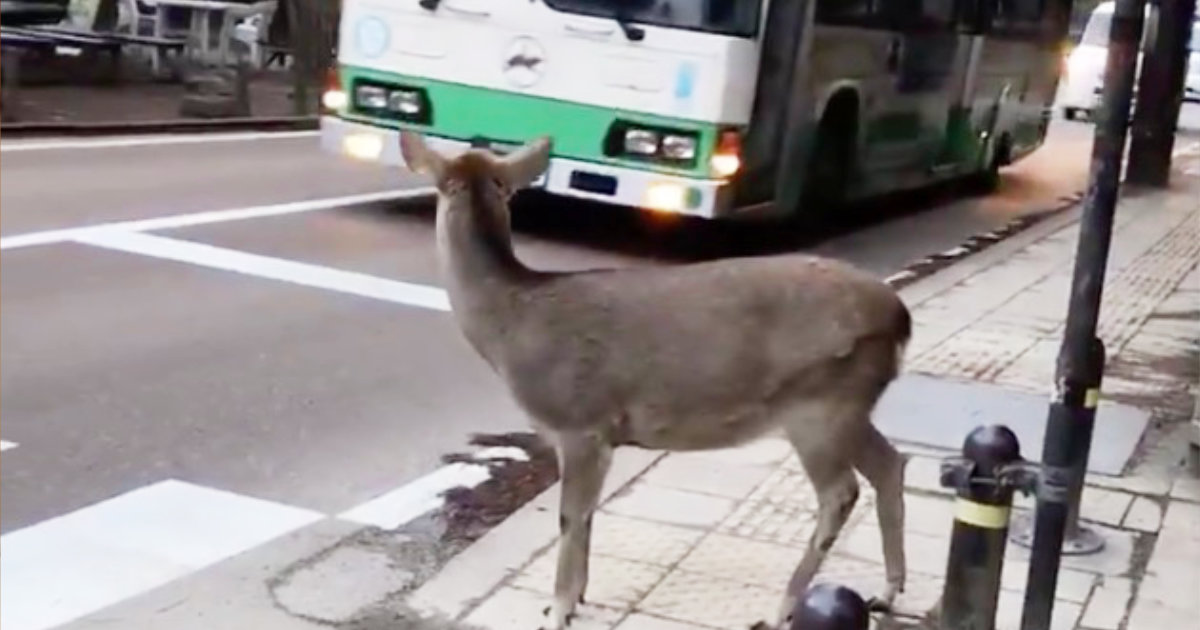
{"type": "Point", "coordinates": [960, 146]}
{"type": "Point", "coordinates": [922, 59]}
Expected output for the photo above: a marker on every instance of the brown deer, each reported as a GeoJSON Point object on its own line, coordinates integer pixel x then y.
{"type": "Point", "coordinates": [678, 358]}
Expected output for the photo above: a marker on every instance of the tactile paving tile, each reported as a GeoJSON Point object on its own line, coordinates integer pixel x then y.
{"type": "Point", "coordinates": [710, 601]}
{"type": "Point", "coordinates": [670, 506]}
{"type": "Point", "coordinates": [643, 541]}
{"type": "Point", "coordinates": [765, 564]}
{"type": "Point", "coordinates": [786, 487]}
{"type": "Point", "coordinates": [519, 609]}
{"type": "Point", "coordinates": [697, 473]}
{"type": "Point", "coordinates": [868, 579]}
{"type": "Point", "coordinates": [784, 524]}
{"type": "Point", "coordinates": [611, 581]}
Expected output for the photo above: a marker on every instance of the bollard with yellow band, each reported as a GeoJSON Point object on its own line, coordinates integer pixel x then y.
{"type": "Point", "coordinates": [984, 478]}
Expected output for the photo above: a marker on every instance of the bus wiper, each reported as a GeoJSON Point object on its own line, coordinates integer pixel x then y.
{"type": "Point", "coordinates": [632, 32]}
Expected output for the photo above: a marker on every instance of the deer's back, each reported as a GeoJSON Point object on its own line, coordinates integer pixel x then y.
{"type": "Point", "coordinates": [725, 339]}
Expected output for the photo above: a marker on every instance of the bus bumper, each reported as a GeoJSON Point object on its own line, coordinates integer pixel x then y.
{"type": "Point", "coordinates": [572, 178]}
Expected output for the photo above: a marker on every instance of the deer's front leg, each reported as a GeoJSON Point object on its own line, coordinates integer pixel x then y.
{"type": "Point", "coordinates": [584, 461]}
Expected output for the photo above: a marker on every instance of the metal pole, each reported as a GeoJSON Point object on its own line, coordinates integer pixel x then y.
{"type": "Point", "coordinates": [1072, 411]}
{"type": "Point", "coordinates": [830, 607]}
{"type": "Point", "coordinates": [1078, 539]}
{"type": "Point", "coordinates": [985, 476]}
{"type": "Point", "coordinates": [1160, 96]}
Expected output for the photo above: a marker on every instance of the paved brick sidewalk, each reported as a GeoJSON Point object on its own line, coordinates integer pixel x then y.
{"type": "Point", "coordinates": [707, 540]}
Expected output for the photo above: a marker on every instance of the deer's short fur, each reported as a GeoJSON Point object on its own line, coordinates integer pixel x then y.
{"type": "Point", "coordinates": [679, 358]}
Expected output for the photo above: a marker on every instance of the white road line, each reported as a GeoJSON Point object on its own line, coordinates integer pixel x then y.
{"type": "Point", "coordinates": [267, 267]}
{"type": "Point", "coordinates": [1186, 150]}
{"type": "Point", "coordinates": [150, 140]}
{"type": "Point", "coordinates": [395, 508]}
{"type": "Point", "coordinates": [76, 564]}
{"type": "Point", "coordinates": [5, 445]}
{"type": "Point", "coordinates": [51, 237]}
{"type": "Point", "coordinates": [501, 452]}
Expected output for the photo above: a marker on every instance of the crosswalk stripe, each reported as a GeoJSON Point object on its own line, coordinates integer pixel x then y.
{"type": "Point", "coordinates": [5, 445]}
{"type": "Point", "coordinates": [273, 268]}
{"type": "Point", "coordinates": [67, 567]}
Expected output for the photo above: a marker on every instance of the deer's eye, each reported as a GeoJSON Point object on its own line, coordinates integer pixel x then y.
{"type": "Point", "coordinates": [499, 183]}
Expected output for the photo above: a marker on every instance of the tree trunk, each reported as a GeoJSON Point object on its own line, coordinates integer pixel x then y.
{"type": "Point", "coordinates": [312, 36]}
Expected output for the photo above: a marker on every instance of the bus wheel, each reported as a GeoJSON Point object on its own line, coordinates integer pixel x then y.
{"type": "Point", "coordinates": [988, 180]}
{"type": "Point", "coordinates": [828, 174]}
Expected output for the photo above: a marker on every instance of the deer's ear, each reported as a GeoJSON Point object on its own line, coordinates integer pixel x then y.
{"type": "Point", "coordinates": [419, 157]}
{"type": "Point", "coordinates": [526, 164]}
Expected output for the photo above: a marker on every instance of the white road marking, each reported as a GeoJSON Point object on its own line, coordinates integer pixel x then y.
{"type": "Point", "coordinates": [1194, 147]}
{"type": "Point", "coordinates": [76, 564]}
{"type": "Point", "coordinates": [395, 508]}
{"type": "Point", "coordinates": [149, 140]}
{"type": "Point", "coordinates": [51, 237]}
{"type": "Point", "coordinates": [5, 445]}
{"type": "Point", "coordinates": [268, 267]}
{"type": "Point", "coordinates": [898, 276]}
{"type": "Point", "coordinates": [501, 452]}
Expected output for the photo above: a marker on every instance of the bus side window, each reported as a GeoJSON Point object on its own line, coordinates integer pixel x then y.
{"type": "Point", "coordinates": [1019, 19]}
{"type": "Point", "coordinates": [847, 12]}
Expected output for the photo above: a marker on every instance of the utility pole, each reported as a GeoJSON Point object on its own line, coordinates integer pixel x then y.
{"type": "Point", "coordinates": [1160, 95]}
{"type": "Point", "coordinates": [1081, 356]}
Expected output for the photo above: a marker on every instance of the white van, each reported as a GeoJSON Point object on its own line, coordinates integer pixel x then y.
{"type": "Point", "coordinates": [1084, 77]}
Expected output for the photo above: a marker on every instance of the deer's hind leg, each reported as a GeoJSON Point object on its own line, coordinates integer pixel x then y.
{"type": "Point", "coordinates": [584, 460]}
{"type": "Point", "coordinates": [883, 466]}
{"type": "Point", "coordinates": [826, 452]}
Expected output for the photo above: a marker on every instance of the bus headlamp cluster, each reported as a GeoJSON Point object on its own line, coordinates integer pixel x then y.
{"type": "Point", "coordinates": [649, 143]}
{"type": "Point", "coordinates": [392, 101]}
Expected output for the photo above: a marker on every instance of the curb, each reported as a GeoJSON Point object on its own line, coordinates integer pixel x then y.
{"type": "Point", "coordinates": [475, 573]}
{"type": "Point", "coordinates": [1013, 235]}
{"type": "Point", "coordinates": [76, 129]}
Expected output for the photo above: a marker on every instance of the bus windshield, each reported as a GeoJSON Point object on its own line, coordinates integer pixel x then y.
{"type": "Point", "coordinates": [726, 17]}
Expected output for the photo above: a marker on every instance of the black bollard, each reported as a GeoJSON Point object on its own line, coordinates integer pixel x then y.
{"type": "Point", "coordinates": [986, 475]}
{"type": "Point", "coordinates": [830, 607]}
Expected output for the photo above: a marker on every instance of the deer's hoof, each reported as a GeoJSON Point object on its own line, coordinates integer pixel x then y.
{"type": "Point", "coordinates": [557, 620]}
{"type": "Point", "coordinates": [879, 605]}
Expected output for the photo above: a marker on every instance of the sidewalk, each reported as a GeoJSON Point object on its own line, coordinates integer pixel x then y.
{"type": "Point", "coordinates": [708, 540]}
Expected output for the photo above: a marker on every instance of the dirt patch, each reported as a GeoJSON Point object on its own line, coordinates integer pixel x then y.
{"type": "Point", "coordinates": [470, 512]}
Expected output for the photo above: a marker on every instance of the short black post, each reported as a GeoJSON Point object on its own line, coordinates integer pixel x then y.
{"type": "Point", "coordinates": [830, 607]}
{"type": "Point", "coordinates": [1072, 409]}
{"type": "Point", "coordinates": [1160, 95]}
{"type": "Point", "coordinates": [984, 477]}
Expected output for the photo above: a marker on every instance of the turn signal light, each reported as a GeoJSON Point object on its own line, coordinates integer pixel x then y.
{"type": "Point", "coordinates": [727, 158]}
{"type": "Point", "coordinates": [334, 98]}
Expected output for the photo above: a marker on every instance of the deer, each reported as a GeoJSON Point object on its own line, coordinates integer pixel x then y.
{"type": "Point", "coordinates": [693, 356]}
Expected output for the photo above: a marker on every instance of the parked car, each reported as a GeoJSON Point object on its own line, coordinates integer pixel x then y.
{"type": "Point", "coordinates": [1083, 78]}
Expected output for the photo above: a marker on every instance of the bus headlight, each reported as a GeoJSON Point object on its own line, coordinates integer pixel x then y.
{"type": "Point", "coordinates": [370, 97]}
{"type": "Point", "coordinates": [405, 102]}
{"type": "Point", "coordinates": [641, 142]}
{"type": "Point", "coordinates": [679, 147]}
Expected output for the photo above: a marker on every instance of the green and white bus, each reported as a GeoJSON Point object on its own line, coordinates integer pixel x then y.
{"type": "Point", "coordinates": [711, 108]}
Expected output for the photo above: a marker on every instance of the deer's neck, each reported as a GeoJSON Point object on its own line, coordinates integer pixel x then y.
{"type": "Point", "coordinates": [483, 274]}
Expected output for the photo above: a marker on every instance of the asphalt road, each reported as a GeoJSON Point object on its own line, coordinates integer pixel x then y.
{"type": "Point", "coordinates": [133, 357]}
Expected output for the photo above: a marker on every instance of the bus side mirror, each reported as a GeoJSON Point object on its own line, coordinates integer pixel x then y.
{"type": "Point", "coordinates": [976, 15]}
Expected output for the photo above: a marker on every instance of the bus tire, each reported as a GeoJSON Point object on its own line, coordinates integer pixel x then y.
{"type": "Point", "coordinates": [988, 180]}
{"type": "Point", "coordinates": [829, 165]}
